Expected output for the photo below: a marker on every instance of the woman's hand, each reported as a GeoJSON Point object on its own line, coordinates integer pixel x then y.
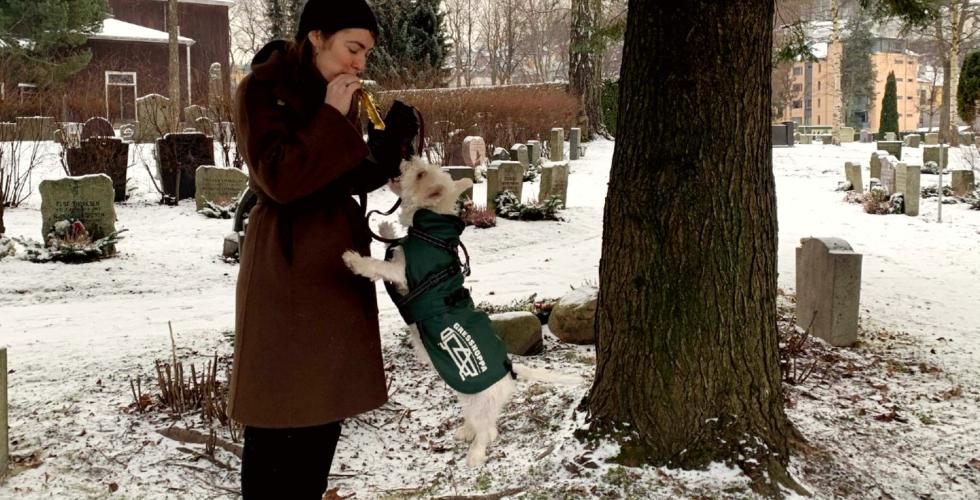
{"type": "Point", "coordinates": [341, 90]}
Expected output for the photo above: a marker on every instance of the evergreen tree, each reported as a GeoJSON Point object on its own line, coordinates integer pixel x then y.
{"type": "Point", "coordinates": [889, 107]}
{"type": "Point", "coordinates": [412, 45]}
{"type": "Point", "coordinates": [40, 40]}
{"type": "Point", "coordinates": [277, 20]}
{"type": "Point", "coordinates": [857, 75]}
{"type": "Point", "coordinates": [968, 91]}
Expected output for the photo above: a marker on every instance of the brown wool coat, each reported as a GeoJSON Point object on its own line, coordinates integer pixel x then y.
{"type": "Point", "coordinates": [307, 345]}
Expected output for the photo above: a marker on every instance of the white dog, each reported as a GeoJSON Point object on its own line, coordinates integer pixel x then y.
{"type": "Point", "coordinates": [425, 186]}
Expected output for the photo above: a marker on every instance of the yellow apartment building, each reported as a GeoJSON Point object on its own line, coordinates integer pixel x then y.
{"type": "Point", "coordinates": [811, 104]}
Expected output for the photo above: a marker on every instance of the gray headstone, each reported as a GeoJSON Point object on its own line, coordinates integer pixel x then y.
{"type": "Point", "coordinates": [888, 173]}
{"type": "Point", "coordinates": [219, 185]}
{"type": "Point", "coordinates": [182, 153]}
{"type": "Point", "coordinates": [932, 138]}
{"type": "Point", "coordinates": [35, 128]}
{"type": "Point", "coordinates": [894, 148]}
{"type": "Point", "coordinates": [828, 289]}
{"type": "Point", "coordinates": [4, 414]}
{"type": "Point", "coordinates": [852, 171]}
{"type": "Point", "coordinates": [504, 176]}
{"type": "Point", "coordinates": [932, 154]}
{"type": "Point", "coordinates": [231, 245]}
{"type": "Point", "coordinates": [101, 155]}
{"type": "Point", "coordinates": [8, 131]}
{"type": "Point", "coordinates": [462, 172]}
{"type": "Point", "coordinates": [518, 153]}
{"type": "Point", "coordinates": [153, 112]}
{"type": "Point", "coordinates": [890, 136]}
{"type": "Point", "coordinates": [500, 154]}
{"type": "Point", "coordinates": [474, 151]}
{"type": "Point", "coordinates": [976, 141]}
{"type": "Point", "coordinates": [556, 144]}
{"type": "Point", "coordinates": [574, 141]}
{"type": "Point", "coordinates": [867, 136]}
{"type": "Point", "coordinates": [846, 135]}
{"type": "Point", "coordinates": [87, 198]}
{"type": "Point", "coordinates": [554, 181]}
{"type": "Point", "coordinates": [205, 126]}
{"type": "Point", "coordinates": [534, 151]}
{"type": "Point", "coordinates": [964, 182]}
{"type": "Point", "coordinates": [194, 112]}
{"type": "Point", "coordinates": [520, 331]}
{"type": "Point", "coordinates": [913, 140]}
{"type": "Point", "coordinates": [806, 139]}
{"type": "Point", "coordinates": [908, 182]}
{"type": "Point", "coordinates": [97, 127]}
{"type": "Point", "coordinates": [876, 164]}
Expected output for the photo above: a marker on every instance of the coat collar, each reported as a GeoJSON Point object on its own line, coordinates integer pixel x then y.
{"type": "Point", "coordinates": [296, 85]}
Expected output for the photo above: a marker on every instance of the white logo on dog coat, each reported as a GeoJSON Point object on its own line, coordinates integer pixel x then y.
{"type": "Point", "coordinates": [463, 351]}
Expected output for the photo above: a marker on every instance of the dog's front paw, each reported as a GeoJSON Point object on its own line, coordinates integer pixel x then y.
{"type": "Point", "coordinates": [352, 260]}
{"type": "Point", "coordinates": [464, 434]}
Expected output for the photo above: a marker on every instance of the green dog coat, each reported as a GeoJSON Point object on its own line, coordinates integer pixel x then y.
{"type": "Point", "coordinates": [459, 338]}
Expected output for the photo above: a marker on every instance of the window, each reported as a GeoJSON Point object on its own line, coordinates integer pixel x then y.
{"type": "Point", "coordinates": [899, 61]}
{"type": "Point", "coordinates": [818, 85]}
{"type": "Point", "coordinates": [909, 115]}
{"type": "Point", "coordinates": [797, 104]}
{"type": "Point", "coordinates": [2, 93]}
{"type": "Point", "coordinates": [797, 71]}
{"type": "Point", "coordinates": [818, 119]}
{"type": "Point", "coordinates": [120, 95]}
{"type": "Point", "coordinates": [797, 87]}
{"type": "Point", "coordinates": [910, 79]}
{"type": "Point", "coordinates": [922, 97]}
{"type": "Point", "coordinates": [26, 90]}
{"type": "Point", "coordinates": [818, 103]}
{"type": "Point", "coordinates": [909, 98]}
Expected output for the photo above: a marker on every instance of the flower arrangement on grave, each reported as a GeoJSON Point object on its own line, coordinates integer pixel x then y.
{"type": "Point", "coordinates": [877, 201]}
{"type": "Point", "coordinates": [480, 217]}
{"type": "Point", "coordinates": [533, 170]}
{"type": "Point", "coordinates": [509, 207]}
{"type": "Point", "coordinates": [214, 210]}
{"type": "Point", "coordinates": [70, 242]}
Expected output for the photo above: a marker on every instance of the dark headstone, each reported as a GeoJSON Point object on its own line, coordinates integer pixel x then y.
{"type": "Point", "coordinates": [101, 155]}
{"type": "Point", "coordinates": [178, 156]}
{"type": "Point", "coordinates": [97, 127]}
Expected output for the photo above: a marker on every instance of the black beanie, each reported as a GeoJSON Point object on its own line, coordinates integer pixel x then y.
{"type": "Point", "coordinates": [331, 16]}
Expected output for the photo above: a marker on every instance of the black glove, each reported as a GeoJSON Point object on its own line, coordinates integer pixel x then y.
{"type": "Point", "coordinates": [393, 144]}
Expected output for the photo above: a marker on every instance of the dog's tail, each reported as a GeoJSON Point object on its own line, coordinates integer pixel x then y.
{"type": "Point", "coordinates": [547, 376]}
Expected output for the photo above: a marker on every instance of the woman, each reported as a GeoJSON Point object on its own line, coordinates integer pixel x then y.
{"type": "Point", "coordinates": [307, 345]}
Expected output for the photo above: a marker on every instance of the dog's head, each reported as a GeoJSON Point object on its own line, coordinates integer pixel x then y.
{"type": "Point", "coordinates": [427, 186]}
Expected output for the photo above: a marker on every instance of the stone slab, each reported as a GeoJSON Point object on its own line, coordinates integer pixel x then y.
{"type": "Point", "coordinates": [219, 185]}
{"type": "Point", "coordinates": [828, 289]}
{"type": "Point", "coordinates": [87, 198]}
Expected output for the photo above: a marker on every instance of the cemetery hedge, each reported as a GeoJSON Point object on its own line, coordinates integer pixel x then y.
{"type": "Point", "coordinates": [502, 115]}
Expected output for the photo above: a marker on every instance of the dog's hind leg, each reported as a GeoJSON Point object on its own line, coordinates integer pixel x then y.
{"type": "Point", "coordinates": [464, 433]}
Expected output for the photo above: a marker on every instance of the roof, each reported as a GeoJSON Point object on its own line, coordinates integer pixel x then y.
{"type": "Point", "coordinates": [114, 29]}
{"type": "Point", "coordinates": [226, 3]}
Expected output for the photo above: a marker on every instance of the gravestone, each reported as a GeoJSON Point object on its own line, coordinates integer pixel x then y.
{"type": "Point", "coordinates": [876, 164]}
{"type": "Point", "coordinates": [574, 141]}
{"type": "Point", "coordinates": [35, 128]}
{"type": "Point", "coordinates": [462, 172]}
{"type": "Point", "coordinates": [101, 155]}
{"type": "Point", "coordinates": [194, 112]}
{"type": "Point", "coordinates": [97, 127]}
{"type": "Point", "coordinates": [4, 414]}
{"type": "Point", "coordinates": [894, 148]}
{"type": "Point", "coordinates": [474, 151]}
{"type": "Point", "coordinates": [216, 88]}
{"type": "Point", "coordinates": [178, 156]}
{"type": "Point", "coordinates": [913, 140]}
{"type": "Point", "coordinates": [8, 131]}
{"type": "Point", "coordinates": [908, 182]}
{"type": "Point", "coordinates": [890, 136]}
{"type": "Point", "coordinates": [806, 139]}
{"type": "Point", "coordinates": [518, 153]}
{"type": "Point", "coordinates": [887, 177]}
{"type": "Point", "coordinates": [828, 289]}
{"type": "Point", "coordinates": [932, 138]}
{"type": "Point", "coordinates": [783, 134]}
{"type": "Point", "coordinates": [153, 112]}
{"type": "Point", "coordinates": [852, 171]}
{"type": "Point", "coordinates": [87, 198]}
{"type": "Point", "coordinates": [867, 136]}
{"type": "Point", "coordinates": [846, 135]}
{"type": "Point", "coordinates": [219, 185]}
{"type": "Point", "coordinates": [128, 132]}
{"type": "Point", "coordinates": [534, 152]}
{"type": "Point", "coordinates": [205, 126]}
{"type": "Point", "coordinates": [504, 176]}
{"type": "Point", "coordinates": [966, 138]}
{"type": "Point", "coordinates": [964, 182]}
{"type": "Point", "coordinates": [827, 139]}
{"type": "Point", "coordinates": [976, 141]}
{"type": "Point", "coordinates": [932, 154]}
{"type": "Point", "coordinates": [554, 181]}
{"type": "Point", "coordinates": [500, 154]}
{"type": "Point", "coordinates": [556, 144]}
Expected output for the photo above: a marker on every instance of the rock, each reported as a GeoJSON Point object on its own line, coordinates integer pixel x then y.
{"type": "Point", "coordinates": [572, 319]}
{"type": "Point", "coordinates": [231, 245]}
{"type": "Point", "coordinates": [520, 331]}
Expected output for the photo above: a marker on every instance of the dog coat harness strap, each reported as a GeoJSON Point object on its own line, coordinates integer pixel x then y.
{"type": "Point", "coordinates": [459, 338]}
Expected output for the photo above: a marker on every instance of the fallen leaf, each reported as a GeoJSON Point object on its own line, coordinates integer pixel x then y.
{"type": "Point", "coordinates": [974, 462]}
{"type": "Point", "coordinates": [113, 487]}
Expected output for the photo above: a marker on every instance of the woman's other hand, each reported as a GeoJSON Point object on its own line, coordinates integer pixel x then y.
{"type": "Point", "coordinates": [341, 90]}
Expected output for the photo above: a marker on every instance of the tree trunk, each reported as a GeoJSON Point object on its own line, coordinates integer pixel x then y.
{"type": "Point", "coordinates": [173, 28]}
{"type": "Point", "coordinates": [687, 341]}
{"type": "Point", "coordinates": [956, 12]}
{"type": "Point", "coordinates": [945, 124]}
{"type": "Point", "coordinates": [835, 57]}
{"type": "Point", "coordinates": [585, 66]}
{"type": "Point", "coordinates": [3, 229]}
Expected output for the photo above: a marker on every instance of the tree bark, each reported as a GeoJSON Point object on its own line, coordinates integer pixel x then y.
{"type": "Point", "coordinates": [585, 65]}
{"type": "Point", "coordinates": [945, 124]}
{"type": "Point", "coordinates": [173, 28]}
{"type": "Point", "coordinates": [957, 14]}
{"type": "Point", "coordinates": [687, 364]}
{"type": "Point", "coordinates": [835, 57]}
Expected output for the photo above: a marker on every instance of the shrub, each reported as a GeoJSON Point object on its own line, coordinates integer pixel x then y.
{"type": "Point", "coordinates": [876, 201]}
{"type": "Point", "coordinates": [509, 207]}
{"type": "Point", "coordinates": [480, 217]}
{"type": "Point", "coordinates": [502, 115]}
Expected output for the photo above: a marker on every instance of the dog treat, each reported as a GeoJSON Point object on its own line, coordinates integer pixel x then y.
{"type": "Point", "coordinates": [367, 101]}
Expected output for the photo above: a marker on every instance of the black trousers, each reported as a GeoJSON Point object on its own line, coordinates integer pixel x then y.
{"type": "Point", "coordinates": [288, 463]}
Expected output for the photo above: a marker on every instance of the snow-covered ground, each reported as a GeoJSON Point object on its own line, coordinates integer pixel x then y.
{"type": "Point", "coordinates": [77, 335]}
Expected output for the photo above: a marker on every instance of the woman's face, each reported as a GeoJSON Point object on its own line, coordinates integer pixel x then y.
{"type": "Point", "coordinates": [345, 51]}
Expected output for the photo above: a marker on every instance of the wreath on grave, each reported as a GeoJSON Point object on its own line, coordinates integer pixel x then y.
{"type": "Point", "coordinates": [509, 207]}
{"type": "Point", "coordinates": [70, 242]}
{"type": "Point", "coordinates": [214, 210]}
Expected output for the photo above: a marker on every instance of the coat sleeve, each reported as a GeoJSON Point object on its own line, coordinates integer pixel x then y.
{"type": "Point", "coordinates": [289, 164]}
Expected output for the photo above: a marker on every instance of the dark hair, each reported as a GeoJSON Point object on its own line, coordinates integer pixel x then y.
{"type": "Point", "coordinates": [331, 16]}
